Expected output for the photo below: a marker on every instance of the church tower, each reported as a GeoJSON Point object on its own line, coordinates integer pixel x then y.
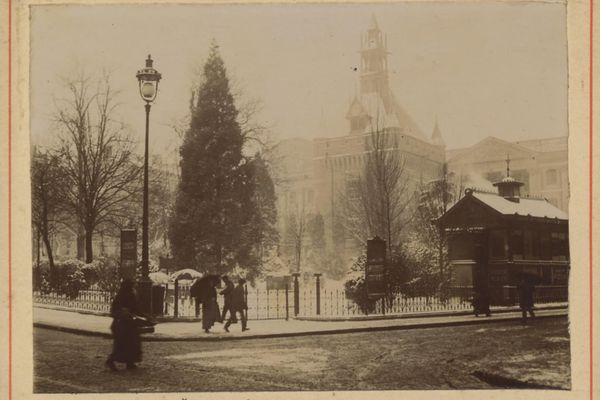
{"type": "Point", "coordinates": [436, 136]}
{"type": "Point", "coordinates": [373, 57]}
{"type": "Point", "coordinates": [375, 106]}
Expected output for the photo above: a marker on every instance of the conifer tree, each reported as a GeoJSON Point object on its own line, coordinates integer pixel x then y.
{"type": "Point", "coordinates": [211, 227]}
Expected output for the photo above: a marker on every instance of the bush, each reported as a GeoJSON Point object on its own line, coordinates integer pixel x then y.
{"type": "Point", "coordinates": [68, 278]}
{"type": "Point", "coordinates": [355, 286]}
{"type": "Point", "coordinates": [90, 273]}
{"type": "Point", "coordinates": [399, 272]}
{"type": "Point", "coordinates": [41, 277]}
{"type": "Point", "coordinates": [74, 282]}
{"type": "Point", "coordinates": [107, 273]}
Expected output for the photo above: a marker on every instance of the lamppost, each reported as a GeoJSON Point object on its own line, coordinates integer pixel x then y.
{"type": "Point", "coordinates": [148, 79]}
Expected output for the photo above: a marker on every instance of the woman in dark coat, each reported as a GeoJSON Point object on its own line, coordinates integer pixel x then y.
{"type": "Point", "coordinates": [127, 347]}
{"type": "Point", "coordinates": [210, 307]}
{"type": "Point", "coordinates": [526, 287]}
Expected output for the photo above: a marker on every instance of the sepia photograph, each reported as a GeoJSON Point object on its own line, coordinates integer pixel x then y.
{"type": "Point", "coordinates": [299, 197]}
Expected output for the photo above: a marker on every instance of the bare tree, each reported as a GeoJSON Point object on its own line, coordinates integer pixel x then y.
{"type": "Point", "coordinates": [296, 233]}
{"type": "Point", "coordinates": [377, 199]}
{"type": "Point", "coordinates": [47, 203]}
{"type": "Point", "coordinates": [435, 198]}
{"type": "Point", "coordinates": [99, 169]}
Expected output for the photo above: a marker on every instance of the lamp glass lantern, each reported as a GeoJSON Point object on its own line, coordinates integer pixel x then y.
{"type": "Point", "coordinates": [148, 79]}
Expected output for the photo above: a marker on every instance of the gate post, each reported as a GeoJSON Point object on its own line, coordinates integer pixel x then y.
{"type": "Point", "coordinates": [176, 298]}
{"type": "Point", "coordinates": [166, 300]}
{"type": "Point", "coordinates": [296, 293]}
{"type": "Point", "coordinates": [318, 291]}
{"type": "Point", "coordinates": [287, 307]}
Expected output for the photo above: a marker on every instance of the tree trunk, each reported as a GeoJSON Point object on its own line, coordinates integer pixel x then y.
{"type": "Point", "coordinates": [80, 246]}
{"type": "Point", "coordinates": [46, 235]}
{"type": "Point", "coordinates": [46, 240]}
{"type": "Point", "coordinates": [89, 251]}
{"type": "Point", "coordinates": [39, 239]}
{"type": "Point", "coordinates": [441, 259]}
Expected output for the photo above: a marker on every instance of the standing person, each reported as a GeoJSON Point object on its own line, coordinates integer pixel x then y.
{"type": "Point", "coordinates": [196, 294]}
{"type": "Point", "coordinates": [127, 346]}
{"type": "Point", "coordinates": [238, 304]}
{"type": "Point", "coordinates": [227, 297]}
{"type": "Point", "coordinates": [525, 288]}
{"type": "Point", "coordinates": [481, 296]}
{"type": "Point", "coordinates": [210, 307]}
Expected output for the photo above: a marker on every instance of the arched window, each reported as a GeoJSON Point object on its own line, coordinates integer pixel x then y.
{"type": "Point", "coordinates": [551, 177]}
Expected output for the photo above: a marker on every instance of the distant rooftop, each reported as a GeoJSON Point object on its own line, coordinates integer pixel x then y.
{"type": "Point", "coordinates": [545, 145]}
{"type": "Point", "coordinates": [542, 145]}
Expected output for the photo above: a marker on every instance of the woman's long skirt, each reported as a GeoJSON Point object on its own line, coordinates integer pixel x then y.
{"type": "Point", "coordinates": [210, 314]}
{"type": "Point", "coordinates": [127, 346]}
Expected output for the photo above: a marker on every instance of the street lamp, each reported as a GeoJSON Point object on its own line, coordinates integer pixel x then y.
{"type": "Point", "coordinates": [148, 79]}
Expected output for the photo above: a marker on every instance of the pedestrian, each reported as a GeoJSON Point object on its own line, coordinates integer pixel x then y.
{"type": "Point", "coordinates": [210, 307]}
{"type": "Point", "coordinates": [127, 346]}
{"type": "Point", "coordinates": [227, 297]}
{"type": "Point", "coordinates": [525, 288]}
{"type": "Point", "coordinates": [481, 296]}
{"type": "Point", "coordinates": [481, 303]}
{"type": "Point", "coordinates": [238, 305]}
{"type": "Point", "coordinates": [196, 294]}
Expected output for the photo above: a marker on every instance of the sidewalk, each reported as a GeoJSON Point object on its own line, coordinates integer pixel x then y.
{"type": "Point", "coordinates": [97, 325]}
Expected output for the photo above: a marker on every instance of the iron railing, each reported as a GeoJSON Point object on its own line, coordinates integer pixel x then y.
{"type": "Point", "coordinates": [88, 299]}
{"type": "Point", "coordinates": [279, 303]}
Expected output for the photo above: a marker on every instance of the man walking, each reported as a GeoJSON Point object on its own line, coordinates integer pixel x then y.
{"type": "Point", "coordinates": [227, 298]}
{"type": "Point", "coordinates": [238, 304]}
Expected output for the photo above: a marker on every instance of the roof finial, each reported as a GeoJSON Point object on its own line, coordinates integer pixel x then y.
{"type": "Point", "coordinates": [507, 165]}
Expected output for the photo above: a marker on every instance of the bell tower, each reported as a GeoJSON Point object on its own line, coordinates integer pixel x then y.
{"type": "Point", "coordinates": [373, 56]}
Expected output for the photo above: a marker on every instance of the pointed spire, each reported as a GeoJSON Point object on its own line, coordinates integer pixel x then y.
{"type": "Point", "coordinates": [373, 25]}
{"type": "Point", "coordinates": [507, 165]}
{"type": "Point", "coordinates": [436, 136]}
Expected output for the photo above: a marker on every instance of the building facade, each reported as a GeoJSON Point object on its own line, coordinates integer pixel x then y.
{"type": "Point", "coordinates": [375, 110]}
{"type": "Point", "coordinates": [314, 175]}
{"type": "Point", "coordinates": [542, 166]}
{"type": "Point", "coordinates": [317, 174]}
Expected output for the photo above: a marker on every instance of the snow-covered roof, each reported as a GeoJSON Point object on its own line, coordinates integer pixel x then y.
{"type": "Point", "coordinates": [525, 207]}
{"type": "Point", "coordinates": [389, 114]}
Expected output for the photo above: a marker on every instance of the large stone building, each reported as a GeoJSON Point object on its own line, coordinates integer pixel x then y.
{"type": "Point", "coordinates": [315, 174]}
{"type": "Point", "coordinates": [317, 178]}
{"type": "Point", "coordinates": [542, 165]}
{"type": "Point", "coordinates": [337, 160]}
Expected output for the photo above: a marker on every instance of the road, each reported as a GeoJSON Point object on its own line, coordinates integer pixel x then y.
{"type": "Point", "coordinates": [460, 357]}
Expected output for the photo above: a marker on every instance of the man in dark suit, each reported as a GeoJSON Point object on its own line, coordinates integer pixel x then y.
{"type": "Point", "coordinates": [238, 305]}
{"type": "Point", "coordinates": [227, 298]}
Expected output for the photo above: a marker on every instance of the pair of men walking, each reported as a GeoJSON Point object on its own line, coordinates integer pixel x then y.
{"type": "Point", "coordinates": [234, 302]}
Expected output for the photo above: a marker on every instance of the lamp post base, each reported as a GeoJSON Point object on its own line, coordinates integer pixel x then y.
{"type": "Point", "coordinates": [144, 289]}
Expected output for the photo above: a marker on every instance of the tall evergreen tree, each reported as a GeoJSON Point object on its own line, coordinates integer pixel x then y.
{"type": "Point", "coordinates": [211, 225]}
{"type": "Point", "coordinates": [261, 235]}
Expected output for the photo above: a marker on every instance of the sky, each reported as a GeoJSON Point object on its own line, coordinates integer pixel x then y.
{"type": "Point", "coordinates": [493, 69]}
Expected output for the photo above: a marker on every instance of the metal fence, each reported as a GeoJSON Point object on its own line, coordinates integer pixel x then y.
{"type": "Point", "coordinates": [280, 304]}
{"type": "Point", "coordinates": [89, 299]}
